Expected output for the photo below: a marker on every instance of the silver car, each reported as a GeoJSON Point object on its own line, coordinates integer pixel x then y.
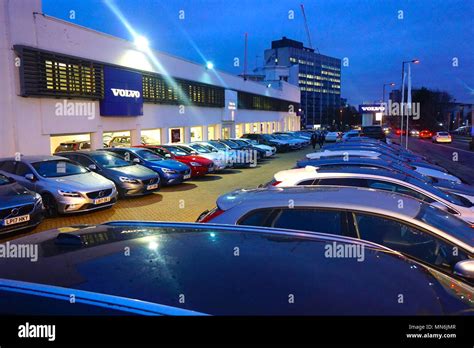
{"type": "Point", "coordinates": [65, 186]}
{"type": "Point", "coordinates": [416, 229]}
{"type": "Point", "coordinates": [377, 179]}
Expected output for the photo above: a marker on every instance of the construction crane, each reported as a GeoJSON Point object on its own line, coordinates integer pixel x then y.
{"type": "Point", "coordinates": [306, 26]}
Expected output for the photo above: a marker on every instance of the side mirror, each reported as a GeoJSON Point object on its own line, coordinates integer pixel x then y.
{"type": "Point", "coordinates": [92, 167]}
{"type": "Point", "coordinates": [465, 269]}
{"type": "Point", "coordinates": [136, 160]}
{"type": "Point", "coordinates": [30, 177]}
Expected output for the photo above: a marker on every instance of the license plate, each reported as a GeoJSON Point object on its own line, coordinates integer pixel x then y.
{"type": "Point", "coordinates": [152, 187]}
{"type": "Point", "coordinates": [16, 220]}
{"type": "Point", "coordinates": [102, 200]}
{"type": "Point", "coordinates": [187, 176]}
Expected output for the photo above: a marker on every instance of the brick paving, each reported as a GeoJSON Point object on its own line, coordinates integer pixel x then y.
{"type": "Point", "coordinates": [183, 202]}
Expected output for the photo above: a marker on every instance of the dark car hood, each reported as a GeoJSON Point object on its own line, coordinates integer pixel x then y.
{"type": "Point", "coordinates": [14, 194]}
{"type": "Point", "coordinates": [135, 171]}
{"type": "Point", "coordinates": [455, 187]}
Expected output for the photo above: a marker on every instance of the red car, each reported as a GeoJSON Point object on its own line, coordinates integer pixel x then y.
{"type": "Point", "coordinates": [199, 165]}
{"type": "Point", "coordinates": [426, 134]}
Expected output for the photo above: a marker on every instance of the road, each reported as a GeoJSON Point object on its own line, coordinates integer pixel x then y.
{"type": "Point", "coordinates": [455, 157]}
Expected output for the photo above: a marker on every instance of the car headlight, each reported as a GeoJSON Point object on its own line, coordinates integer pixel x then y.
{"type": "Point", "coordinates": [195, 164]}
{"type": "Point", "coordinates": [69, 193]}
{"type": "Point", "coordinates": [38, 199]}
{"type": "Point", "coordinates": [128, 180]}
{"type": "Point", "coordinates": [168, 171]}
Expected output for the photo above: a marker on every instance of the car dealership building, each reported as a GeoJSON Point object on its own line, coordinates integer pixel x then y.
{"type": "Point", "coordinates": [61, 82]}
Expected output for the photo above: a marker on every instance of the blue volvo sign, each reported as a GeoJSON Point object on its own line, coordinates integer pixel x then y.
{"type": "Point", "coordinates": [123, 93]}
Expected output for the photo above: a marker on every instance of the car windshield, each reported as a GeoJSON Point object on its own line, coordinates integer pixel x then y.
{"type": "Point", "coordinates": [149, 155]}
{"type": "Point", "coordinates": [200, 149]}
{"type": "Point", "coordinates": [231, 144]}
{"type": "Point", "coordinates": [58, 168]}
{"type": "Point", "coordinates": [240, 142]}
{"type": "Point", "coordinates": [176, 151]}
{"type": "Point", "coordinates": [446, 222]}
{"type": "Point", "coordinates": [4, 180]}
{"type": "Point", "coordinates": [439, 193]}
{"type": "Point", "coordinates": [268, 137]}
{"type": "Point", "coordinates": [109, 160]}
{"type": "Point", "coordinates": [219, 145]}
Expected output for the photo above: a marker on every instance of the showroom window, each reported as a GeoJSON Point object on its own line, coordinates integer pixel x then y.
{"type": "Point", "coordinates": [259, 102]}
{"type": "Point", "coordinates": [48, 74]}
{"type": "Point", "coordinates": [157, 89]}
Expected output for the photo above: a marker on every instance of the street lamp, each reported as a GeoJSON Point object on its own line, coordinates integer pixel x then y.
{"type": "Point", "coordinates": [141, 43]}
{"type": "Point", "coordinates": [414, 61]}
{"type": "Point", "coordinates": [209, 65]}
{"type": "Point", "coordinates": [383, 96]}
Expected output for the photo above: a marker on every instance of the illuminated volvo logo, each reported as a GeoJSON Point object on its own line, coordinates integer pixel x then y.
{"type": "Point", "coordinates": [127, 93]}
{"type": "Point", "coordinates": [15, 212]}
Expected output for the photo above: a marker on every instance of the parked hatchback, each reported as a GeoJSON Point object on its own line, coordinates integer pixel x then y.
{"type": "Point", "coordinates": [171, 172]}
{"type": "Point", "coordinates": [416, 229]}
{"type": "Point", "coordinates": [65, 186]}
{"type": "Point", "coordinates": [131, 179]}
{"type": "Point", "coordinates": [20, 208]}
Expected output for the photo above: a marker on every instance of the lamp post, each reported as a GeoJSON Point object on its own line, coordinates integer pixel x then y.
{"type": "Point", "coordinates": [383, 96]}
{"type": "Point", "coordinates": [402, 90]}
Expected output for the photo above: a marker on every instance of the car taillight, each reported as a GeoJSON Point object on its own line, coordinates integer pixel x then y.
{"type": "Point", "coordinates": [276, 183]}
{"type": "Point", "coordinates": [210, 215]}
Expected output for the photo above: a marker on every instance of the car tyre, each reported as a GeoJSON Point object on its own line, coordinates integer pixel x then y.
{"type": "Point", "coordinates": [50, 205]}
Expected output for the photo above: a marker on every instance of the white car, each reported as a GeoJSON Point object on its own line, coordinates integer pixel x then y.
{"type": "Point", "coordinates": [342, 153]}
{"type": "Point", "coordinates": [442, 137]}
{"type": "Point", "coordinates": [220, 162]}
{"type": "Point", "coordinates": [378, 179]}
{"type": "Point", "coordinates": [431, 172]}
{"type": "Point", "coordinates": [229, 155]}
{"type": "Point", "coordinates": [269, 150]}
{"type": "Point", "coordinates": [351, 134]}
{"type": "Point", "coordinates": [333, 137]}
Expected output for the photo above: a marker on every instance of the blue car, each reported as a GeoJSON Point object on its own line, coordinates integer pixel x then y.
{"type": "Point", "coordinates": [171, 172]}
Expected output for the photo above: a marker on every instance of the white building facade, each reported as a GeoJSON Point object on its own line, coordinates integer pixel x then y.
{"type": "Point", "coordinates": [61, 82]}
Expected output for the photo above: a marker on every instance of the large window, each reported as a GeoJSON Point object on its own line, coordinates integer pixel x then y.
{"type": "Point", "coordinates": [260, 102]}
{"type": "Point", "coordinates": [55, 75]}
{"type": "Point", "coordinates": [157, 89]}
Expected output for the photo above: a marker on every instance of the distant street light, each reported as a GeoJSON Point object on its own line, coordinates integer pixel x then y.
{"type": "Point", "coordinates": [209, 66]}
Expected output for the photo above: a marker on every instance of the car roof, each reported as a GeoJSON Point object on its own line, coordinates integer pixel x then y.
{"type": "Point", "coordinates": [84, 152]}
{"type": "Point", "coordinates": [360, 170]}
{"type": "Point", "coordinates": [35, 158]}
{"type": "Point", "coordinates": [168, 259]}
{"type": "Point", "coordinates": [355, 198]}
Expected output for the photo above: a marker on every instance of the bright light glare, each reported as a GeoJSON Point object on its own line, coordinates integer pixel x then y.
{"type": "Point", "coordinates": [209, 65]}
{"type": "Point", "coordinates": [153, 246]}
{"type": "Point", "coordinates": [141, 43]}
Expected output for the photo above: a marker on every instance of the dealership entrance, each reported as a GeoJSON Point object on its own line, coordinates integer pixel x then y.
{"type": "Point", "coordinates": [70, 142]}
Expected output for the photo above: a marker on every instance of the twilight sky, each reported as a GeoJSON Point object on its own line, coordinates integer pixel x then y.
{"type": "Point", "coordinates": [368, 32]}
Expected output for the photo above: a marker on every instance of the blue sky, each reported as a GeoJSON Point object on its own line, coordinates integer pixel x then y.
{"type": "Point", "coordinates": [368, 32]}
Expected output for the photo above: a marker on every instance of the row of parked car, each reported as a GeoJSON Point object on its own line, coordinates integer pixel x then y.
{"type": "Point", "coordinates": [78, 179]}
{"type": "Point", "coordinates": [369, 190]}
{"type": "Point", "coordinates": [355, 229]}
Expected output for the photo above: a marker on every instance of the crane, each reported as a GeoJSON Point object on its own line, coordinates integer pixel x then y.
{"type": "Point", "coordinates": [306, 26]}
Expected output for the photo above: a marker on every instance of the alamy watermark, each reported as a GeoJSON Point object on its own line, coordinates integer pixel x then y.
{"type": "Point", "coordinates": [345, 251]}
{"type": "Point", "coordinates": [19, 251]}
{"type": "Point", "coordinates": [75, 109]}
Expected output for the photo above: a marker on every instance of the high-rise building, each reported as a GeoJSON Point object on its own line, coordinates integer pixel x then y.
{"type": "Point", "coordinates": [317, 75]}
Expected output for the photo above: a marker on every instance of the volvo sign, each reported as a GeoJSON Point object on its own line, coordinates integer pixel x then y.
{"type": "Point", "coordinates": [371, 108]}
{"type": "Point", "coordinates": [123, 93]}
